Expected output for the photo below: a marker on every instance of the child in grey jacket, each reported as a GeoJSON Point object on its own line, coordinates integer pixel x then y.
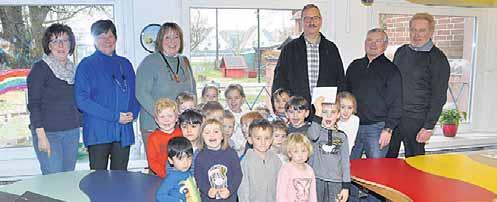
{"type": "Point", "coordinates": [330, 160]}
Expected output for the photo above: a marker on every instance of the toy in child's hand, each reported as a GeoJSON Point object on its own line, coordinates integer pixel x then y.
{"type": "Point", "coordinates": [190, 189]}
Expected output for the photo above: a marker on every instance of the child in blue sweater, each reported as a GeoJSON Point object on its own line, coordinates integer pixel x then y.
{"type": "Point", "coordinates": [179, 184]}
{"type": "Point", "coordinates": [217, 167]}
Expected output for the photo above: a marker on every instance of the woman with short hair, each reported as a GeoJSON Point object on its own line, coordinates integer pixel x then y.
{"type": "Point", "coordinates": [105, 93]}
{"type": "Point", "coordinates": [54, 117]}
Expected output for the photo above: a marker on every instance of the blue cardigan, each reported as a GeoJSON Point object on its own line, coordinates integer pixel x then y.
{"type": "Point", "coordinates": [104, 87]}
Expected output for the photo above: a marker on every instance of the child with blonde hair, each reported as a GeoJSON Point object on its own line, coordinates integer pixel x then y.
{"type": "Point", "coordinates": [166, 115]}
{"type": "Point", "coordinates": [186, 100]}
{"type": "Point", "coordinates": [217, 166]}
{"type": "Point", "coordinates": [296, 179]}
{"type": "Point", "coordinates": [349, 122]}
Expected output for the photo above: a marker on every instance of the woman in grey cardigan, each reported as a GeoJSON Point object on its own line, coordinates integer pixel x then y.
{"type": "Point", "coordinates": [164, 73]}
{"type": "Point", "coordinates": [55, 120]}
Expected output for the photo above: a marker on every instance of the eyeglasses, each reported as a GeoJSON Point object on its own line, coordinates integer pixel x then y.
{"type": "Point", "coordinates": [59, 42]}
{"type": "Point", "coordinates": [312, 18]}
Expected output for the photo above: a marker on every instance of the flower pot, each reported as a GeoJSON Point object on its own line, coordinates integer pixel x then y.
{"type": "Point", "coordinates": [449, 130]}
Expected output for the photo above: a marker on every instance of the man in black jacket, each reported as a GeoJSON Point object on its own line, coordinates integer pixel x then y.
{"type": "Point", "coordinates": [425, 74]}
{"type": "Point", "coordinates": [376, 83]}
{"type": "Point", "coordinates": [310, 60]}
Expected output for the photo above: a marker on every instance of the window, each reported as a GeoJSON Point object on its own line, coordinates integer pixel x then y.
{"type": "Point", "coordinates": [240, 46]}
{"type": "Point", "coordinates": [455, 36]}
{"type": "Point", "coordinates": [21, 32]}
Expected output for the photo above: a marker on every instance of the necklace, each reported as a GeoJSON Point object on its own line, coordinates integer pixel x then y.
{"type": "Point", "coordinates": [175, 74]}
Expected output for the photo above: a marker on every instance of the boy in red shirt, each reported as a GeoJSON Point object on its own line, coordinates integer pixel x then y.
{"type": "Point", "coordinates": [166, 115]}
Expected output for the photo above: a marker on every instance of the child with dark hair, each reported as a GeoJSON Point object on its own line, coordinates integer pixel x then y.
{"type": "Point", "coordinates": [245, 121]}
{"type": "Point", "coordinates": [190, 122]}
{"type": "Point", "coordinates": [260, 166]}
{"type": "Point", "coordinates": [297, 110]}
{"type": "Point", "coordinates": [279, 99]}
{"type": "Point", "coordinates": [179, 177]}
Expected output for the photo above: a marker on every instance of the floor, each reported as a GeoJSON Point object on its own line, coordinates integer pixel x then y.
{"type": "Point", "coordinates": [20, 163]}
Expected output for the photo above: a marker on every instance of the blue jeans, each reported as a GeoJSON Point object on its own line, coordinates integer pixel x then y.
{"type": "Point", "coordinates": [367, 142]}
{"type": "Point", "coordinates": [63, 151]}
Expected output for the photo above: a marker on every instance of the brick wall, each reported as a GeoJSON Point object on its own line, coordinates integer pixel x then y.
{"type": "Point", "coordinates": [448, 36]}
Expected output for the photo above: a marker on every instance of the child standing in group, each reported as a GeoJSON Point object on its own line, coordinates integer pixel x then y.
{"type": "Point", "coordinates": [260, 166]}
{"type": "Point", "coordinates": [213, 110]}
{"type": "Point", "coordinates": [235, 98]}
{"type": "Point", "coordinates": [349, 122]}
{"type": "Point", "coordinates": [210, 93]}
{"type": "Point", "coordinates": [280, 133]}
{"type": "Point", "coordinates": [229, 127]}
{"type": "Point", "coordinates": [179, 176]}
{"type": "Point", "coordinates": [245, 121]}
{"type": "Point", "coordinates": [279, 99]}
{"type": "Point", "coordinates": [217, 171]}
{"type": "Point", "coordinates": [186, 100]}
{"type": "Point", "coordinates": [190, 122]}
{"type": "Point", "coordinates": [296, 179]}
{"type": "Point", "coordinates": [330, 161]}
{"type": "Point", "coordinates": [297, 110]}
{"type": "Point", "coordinates": [166, 114]}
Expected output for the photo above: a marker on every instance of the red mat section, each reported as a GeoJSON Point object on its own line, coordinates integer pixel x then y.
{"type": "Point", "coordinates": [417, 185]}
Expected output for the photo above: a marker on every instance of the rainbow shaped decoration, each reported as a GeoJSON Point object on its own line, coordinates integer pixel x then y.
{"type": "Point", "coordinates": [13, 80]}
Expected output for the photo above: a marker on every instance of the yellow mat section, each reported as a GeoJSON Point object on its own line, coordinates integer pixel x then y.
{"type": "Point", "coordinates": [459, 167]}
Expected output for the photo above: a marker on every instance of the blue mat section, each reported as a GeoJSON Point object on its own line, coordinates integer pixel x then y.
{"type": "Point", "coordinates": [120, 186]}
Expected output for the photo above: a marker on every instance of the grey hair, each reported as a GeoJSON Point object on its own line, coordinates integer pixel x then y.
{"type": "Point", "coordinates": [309, 6]}
{"type": "Point", "coordinates": [380, 30]}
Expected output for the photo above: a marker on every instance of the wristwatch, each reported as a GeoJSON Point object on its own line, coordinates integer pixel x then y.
{"type": "Point", "coordinates": [389, 130]}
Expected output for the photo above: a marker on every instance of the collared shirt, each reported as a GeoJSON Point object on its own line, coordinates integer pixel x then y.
{"type": "Point", "coordinates": [424, 48]}
{"type": "Point", "coordinates": [313, 62]}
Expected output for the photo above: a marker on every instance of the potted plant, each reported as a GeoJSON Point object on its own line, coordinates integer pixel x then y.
{"type": "Point", "coordinates": [450, 119]}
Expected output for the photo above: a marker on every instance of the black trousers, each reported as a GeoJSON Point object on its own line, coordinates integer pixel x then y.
{"type": "Point", "coordinates": [99, 156]}
{"type": "Point", "coordinates": [406, 132]}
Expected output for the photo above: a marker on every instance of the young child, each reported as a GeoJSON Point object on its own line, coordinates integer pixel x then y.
{"type": "Point", "coordinates": [229, 127]}
{"type": "Point", "coordinates": [217, 171]}
{"type": "Point", "coordinates": [260, 166]}
{"type": "Point", "coordinates": [280, 133]}
{"type": "Point", "coordinates": [349, 122]}
{"type": "Point", "coordinates": [190, 122]}
{"type": "Point", "coordinates": [296, 179]}
{"type": "Point", "coordinates": [210, 93]}
{"type": "Point", "coordinates": [330, 161]}
{"type": "Point", "coordinates": [213, 110]}
{"type": "Point", "coordinates": [166, 114]}
{"type": "Point", "coordinates": [297, 110]}
{"type": "Point", "coordinates": [279, 99]}
{"type": "Point", "coordinates": [180, 154]}
{"type": "Point", "coordinates": [241, 140]}
{"type": "Point", "coordinates": [186, 100]}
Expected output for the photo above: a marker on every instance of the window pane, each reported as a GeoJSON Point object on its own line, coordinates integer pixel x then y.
{"type": "Point", "coordinates": [454, 35]}
{"type": "Point", "coordinates": [21, 32]}
{"type": "Point", "coordinates": [247, 47]}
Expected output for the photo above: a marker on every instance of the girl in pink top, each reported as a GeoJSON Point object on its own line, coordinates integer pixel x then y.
{"type": "Point", "coordinates": [296, 180]}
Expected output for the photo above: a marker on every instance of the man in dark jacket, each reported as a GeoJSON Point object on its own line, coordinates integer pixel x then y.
{"type": "Point", "coordinates": [376, 83]}
{"type": "Point", "coordinates": [425, 74]}
{"type": "Point", "coordinates": [310, 60]}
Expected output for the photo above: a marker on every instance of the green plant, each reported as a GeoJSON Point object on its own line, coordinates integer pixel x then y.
{"type": "Point", "coordinates": [452, 116]}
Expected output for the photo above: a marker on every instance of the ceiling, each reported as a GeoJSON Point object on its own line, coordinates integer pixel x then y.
{"type": "Point", "coordinates": [458, 3]}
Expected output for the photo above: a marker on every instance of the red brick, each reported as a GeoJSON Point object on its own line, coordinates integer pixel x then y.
{"type": "Point", "coordinates": [459, 25]}
{"type": "Point", "coordinates": [457, 19]}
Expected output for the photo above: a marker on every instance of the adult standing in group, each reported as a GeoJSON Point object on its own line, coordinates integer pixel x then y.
{"type": "Point", "coordinates": [425, 74]}
{"type": "Point", "coordinates": [376, 83]}
{"type": "Point", "coordinates": [105, 93]}
{"type": "Point", "coordinates": [309, 61]}
{"type": "Point", "coordinates": [162, 74]}
{"type": "Point", "coordinates": [55, 119]}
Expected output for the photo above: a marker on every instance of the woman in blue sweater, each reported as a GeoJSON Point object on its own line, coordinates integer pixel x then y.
{"type": "Point", "coordinates": [105, 93]}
